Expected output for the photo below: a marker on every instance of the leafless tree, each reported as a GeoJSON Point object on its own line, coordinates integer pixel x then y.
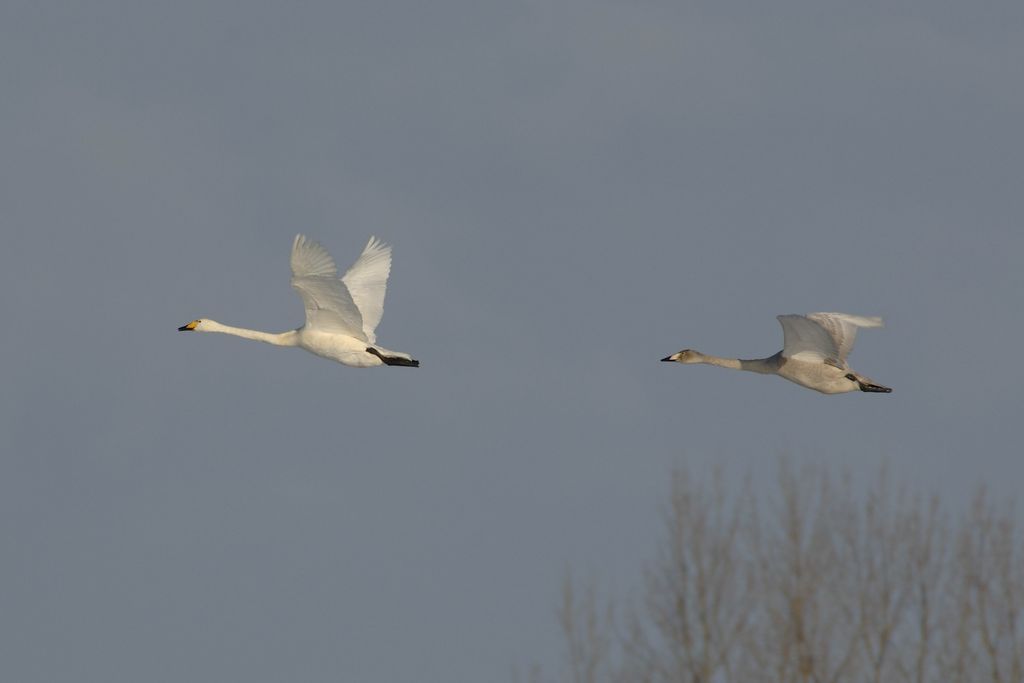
{"type": "Point", "coordinates": [824, 582]}
{"type": "Point", "coordinates": [586, 639]}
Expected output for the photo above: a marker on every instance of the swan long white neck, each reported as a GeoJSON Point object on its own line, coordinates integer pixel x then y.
{"type": "Point", "coordinates": [763, 366]}
{"type": "Point", "coordinates": [290, 338]}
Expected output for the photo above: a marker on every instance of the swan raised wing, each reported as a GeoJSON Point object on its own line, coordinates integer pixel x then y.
{"type": "Point", "coordinates": [329, 304]}
{"type": "Point", "coordinates": [367, 283]}
{"type": "Point", "coordinates": [826, 337]}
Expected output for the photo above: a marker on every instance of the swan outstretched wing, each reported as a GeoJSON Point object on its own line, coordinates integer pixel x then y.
{"type": "Point", "coordinates": [329, 305]}
{"type": "Point", "coordinates": [842, 327]}
{"type": "Point", "coordinates": [826, 337]}
{"type": "Point", "coordinates": [310, 259]}
{"type": "Point", "coordinates": [367, 282]}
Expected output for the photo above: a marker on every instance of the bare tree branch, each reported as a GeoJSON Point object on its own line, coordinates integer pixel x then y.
{"type": "Point", "coordinates": [825, 583]}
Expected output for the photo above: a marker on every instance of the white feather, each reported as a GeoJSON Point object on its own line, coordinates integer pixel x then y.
{"type": "Point", "coordinates": [822, 336]}
{"type": "Point", "coordinates": [329, 305]}
{"type": "Point", "coordinates": [367, 283]}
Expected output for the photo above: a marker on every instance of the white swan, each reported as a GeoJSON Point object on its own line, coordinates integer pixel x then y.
{"type": "Point", "coordinates": [813, 354]}
{"type": "Point", "coordinates": [341, 315]}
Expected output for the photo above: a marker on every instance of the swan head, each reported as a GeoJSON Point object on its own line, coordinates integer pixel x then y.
{"type": "Point", "coordinates": [684, 356]}
{"type": "Point", "coordinates": [192, 326]}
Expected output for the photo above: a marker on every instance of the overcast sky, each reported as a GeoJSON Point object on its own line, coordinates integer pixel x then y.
{"type": "Point", "coordinates": [573, 191]}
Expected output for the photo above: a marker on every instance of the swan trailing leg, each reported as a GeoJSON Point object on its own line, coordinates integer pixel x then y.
{"type": "Point", "coordinates": [402, 360]}
{"type": "Point", "coordinates": [868, 386]}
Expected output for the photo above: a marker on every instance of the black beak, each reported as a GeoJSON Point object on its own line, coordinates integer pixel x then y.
{"type": "Point", "coordinates": [184, 328]}
{"type": "Point", "coordinates": [666, 359]}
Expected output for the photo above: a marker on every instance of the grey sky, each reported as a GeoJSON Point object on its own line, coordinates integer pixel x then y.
{"type": "Point", "coordinates": [573, 190]}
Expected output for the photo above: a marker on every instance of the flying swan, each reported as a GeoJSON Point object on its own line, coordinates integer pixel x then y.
{"type": "Point", "coordinates": [813, 354]}
{"type": "Point", "coordinates": [341, 314]}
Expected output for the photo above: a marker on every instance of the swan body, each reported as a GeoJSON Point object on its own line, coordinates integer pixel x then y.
{"type": "Point", "coordinates": [814, 354]}
{"type": "Point", "coordinates": [341, 314]}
